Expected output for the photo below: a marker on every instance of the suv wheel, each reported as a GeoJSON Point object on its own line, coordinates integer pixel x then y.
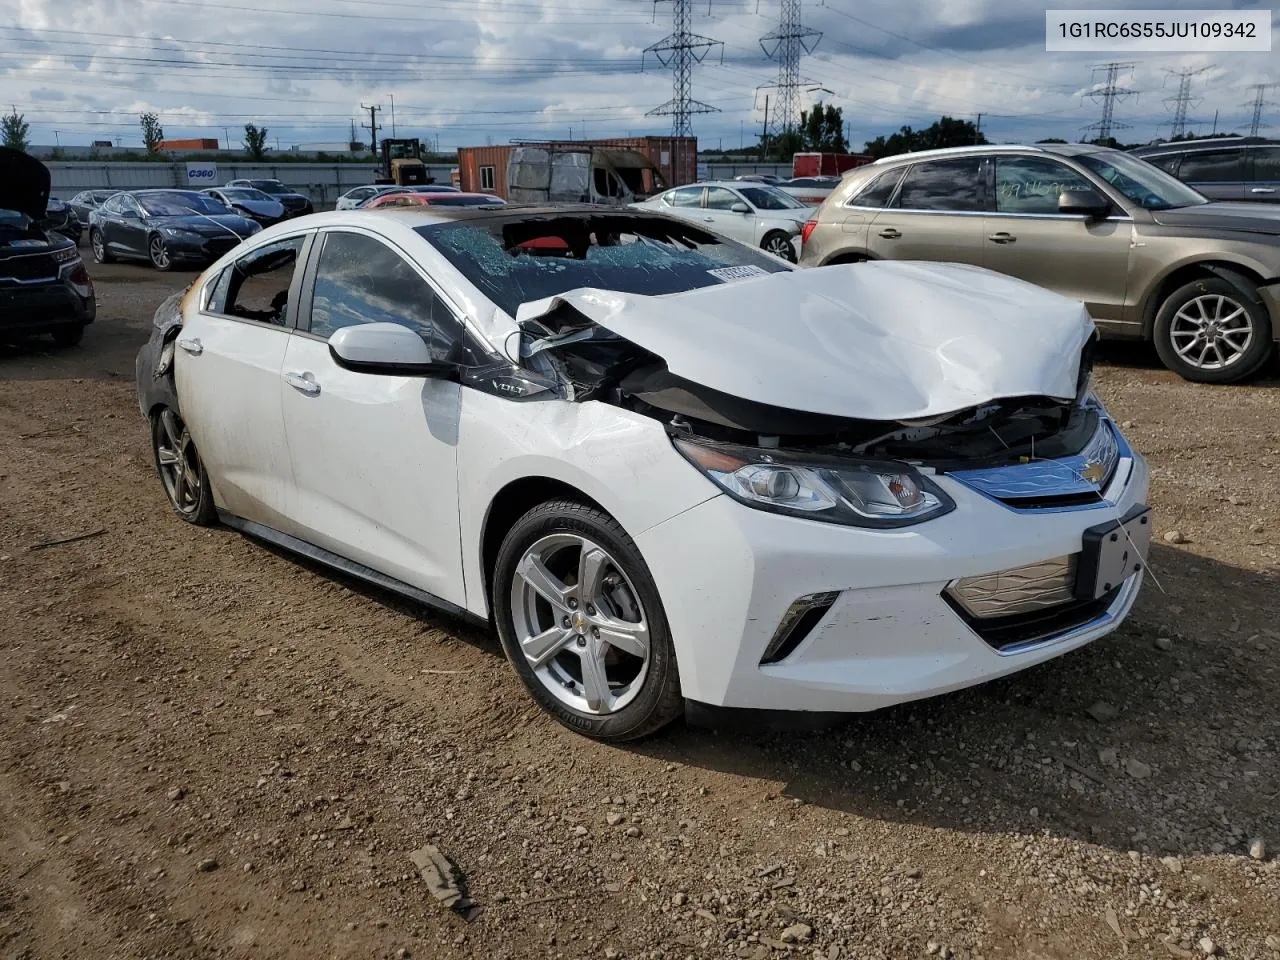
{"type": "Point", "coordinates": [580, 620]}
{"type": "Point", "coordinates": [1210, 331]}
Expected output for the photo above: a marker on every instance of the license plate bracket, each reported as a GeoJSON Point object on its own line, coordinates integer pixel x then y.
{"type": "Point", "coordinates": [1112, 552]}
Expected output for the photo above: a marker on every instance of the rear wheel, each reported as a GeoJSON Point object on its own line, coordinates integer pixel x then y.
{"type": "Point", "coordinates": [68, 336]}
{"type": "Point", "coordinates": [779, 244]}
{"type": "Point", "coordinates": [1211, 331]}
{"type": "Point", "coordinates": [580, 620]}
{"type": "Point", "coordinates": [100, 252]}
{"type": "Point", "coordinates": [186, 483]}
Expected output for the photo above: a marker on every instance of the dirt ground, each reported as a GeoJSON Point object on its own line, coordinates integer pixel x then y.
{"type": "Point", "coordinates": [210, 750]}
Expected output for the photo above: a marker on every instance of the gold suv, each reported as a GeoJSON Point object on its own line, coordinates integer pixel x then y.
{"type": "Point", "coordinates": [1149, 256]}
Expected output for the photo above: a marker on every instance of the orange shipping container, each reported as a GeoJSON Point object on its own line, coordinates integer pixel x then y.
{"type": "Point", "coordinates": [195, 143]}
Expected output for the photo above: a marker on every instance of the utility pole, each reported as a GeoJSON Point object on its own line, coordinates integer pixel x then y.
{"type": "Point", "coordinates": [1259, 101]}
{"type": "Point", "coordinates": [372, 127]}
{"type": "Point", "coordinates": [977, 130]}
{"type": "Point", "coordinates": [680, 50]}
{"type": "Point", "coordinates": [787, 44]}
{"type": "Point", "coordinates": [1108, 94]}
{"type": "Point", "coordinates": [226, 132]}
{"type": "Point", "coordinates": [393, 114]}
{"type": "Point", "coordinates": [764, 131]}
{"type": "Point", "coordinates": [1183, 99]}
{"type": "Point", "coordinates": [56, 140]}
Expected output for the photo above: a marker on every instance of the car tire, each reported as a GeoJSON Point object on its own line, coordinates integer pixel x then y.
{"type": "Point", "coordinates": [69, 335]}
{"type": "Point", "coordinates": [779, 244]}
{"type": "Point", "coordinates": [564, 538]}
{"type": "Point", "coordinates": [182, 473]}
{"type": "Point", "coordinates": [99, 246]}
{"type": "Point", "coordinates": [158, 253]}
{"type": "Point", "coordinates": [1213, 331]}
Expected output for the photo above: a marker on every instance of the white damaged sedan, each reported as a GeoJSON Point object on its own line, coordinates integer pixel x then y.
{"type": "Point", "coordinates": [669, 469]}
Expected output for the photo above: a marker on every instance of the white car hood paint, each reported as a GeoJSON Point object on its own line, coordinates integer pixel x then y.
{"type": "Point", "coordinates": [887, 340]}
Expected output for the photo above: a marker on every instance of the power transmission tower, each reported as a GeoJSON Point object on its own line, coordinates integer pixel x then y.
{"type": "Point", "coordinates": [1183, 100]}
{"type": "Point", "coordinates": [680, 50]}
{"type": "Point", "coordinates": [1259, 101]}
{"type": "Point", "coordinates": [372, 127]}
{"type": "Point", "coordinates": [1108, 94]}
{"type": "Point", "coordinates": [786, 45]}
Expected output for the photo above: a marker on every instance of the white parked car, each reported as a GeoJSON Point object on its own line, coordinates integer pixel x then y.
{"type": "Point", "coordinates": [358, 195]}
{"type": "Point", "coordinates": [668, 468]}
{"type": "Point", "coordinates": [756, 214]}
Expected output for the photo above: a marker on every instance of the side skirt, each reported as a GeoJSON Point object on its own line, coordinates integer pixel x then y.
{"type": "Point", "coordinates": [349, 567]}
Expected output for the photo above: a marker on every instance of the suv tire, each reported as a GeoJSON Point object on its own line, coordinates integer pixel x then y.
{"type": "Point", "coordinates": [1211, 331]}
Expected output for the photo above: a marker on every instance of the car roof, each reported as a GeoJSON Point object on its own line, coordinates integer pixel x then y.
{"type": "Point", "coordinates": [1060, 149]}
{"type": "Point", "coordinates": [1192, 146]}
{"type": "Point", "coordinates": [151, 190]}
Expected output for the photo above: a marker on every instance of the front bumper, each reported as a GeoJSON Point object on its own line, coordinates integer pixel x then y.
{"type": "Point", "coordinates": [728, 574]}
{"type": "Point", "coordinates": [198, 249]}
{"type": "Point", "coordinates": [41, 307]}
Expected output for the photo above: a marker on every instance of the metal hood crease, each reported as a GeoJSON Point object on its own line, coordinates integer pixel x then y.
{"type": "Point", "coordinates": [876, 341]}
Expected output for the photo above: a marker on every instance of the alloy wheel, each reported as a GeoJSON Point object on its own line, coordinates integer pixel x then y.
{"type": "Point", "coordinates": [780, 246]}
{"type": "Point", "coordinates": [159, 254]}
{"type": "Point", "coordinates": [179, 462]}
{"type": "Point", "coordinates": [99, 248]}
{"type": "Point", "coordinates": [579, 623]}
{"type": "Point", "coordinates": [1211, 331]}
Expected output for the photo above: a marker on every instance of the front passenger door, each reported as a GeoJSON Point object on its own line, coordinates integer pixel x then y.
{"type": "Point", "coordinates": [375, 456]}
{"type": "Point", "coordinates": [1218, 174]}
{"type": "Point", "coordinates": [131, 232]}
{"type": "Point", "coordinates": [1264, 183]}
{"type": "Point", "coordinates": [937, 214]}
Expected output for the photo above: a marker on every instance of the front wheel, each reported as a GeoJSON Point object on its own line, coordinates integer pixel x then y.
{"type": "Point", "coordinates": [580, 619]}
{"type": "Point", "coordinates": [780, 245]}
{"type": "Point", "coordinates": [100, 252]}
{"type": "Point", "coordinates": [181, 470]}
{"type": "Point", "coordinates": [159, 253]}
{"type": "Point", "coordinates": [1210, 331]}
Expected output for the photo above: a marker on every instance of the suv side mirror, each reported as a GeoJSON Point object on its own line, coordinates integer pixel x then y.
{"type": "Point", "coordinates": [739, 207]}
{"type": "Point", "coordinates": [386, 348]}
{"type": "Point", "coordinates": [1088, 202]}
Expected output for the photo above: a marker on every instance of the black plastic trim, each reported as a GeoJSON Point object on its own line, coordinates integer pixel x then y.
{"type": "Point", "coordinates": [1001, 633]}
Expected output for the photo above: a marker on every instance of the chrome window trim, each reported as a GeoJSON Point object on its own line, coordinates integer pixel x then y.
{"type": "Point", "coordinates": [987, 213]}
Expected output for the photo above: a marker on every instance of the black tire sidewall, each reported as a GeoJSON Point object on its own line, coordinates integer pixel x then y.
{"type": "Point", "coordinates": [659, 700]}
{"type": "Point", "coordinates": [205, 514]}
{"type": "Point", "coordinates": [1255, 357]}
{"type": "Point", "coordinates": [106, 255]}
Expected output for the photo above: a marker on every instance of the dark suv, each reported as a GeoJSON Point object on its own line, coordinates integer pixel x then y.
{"type": "Point", "coordinates": [1222, 168]}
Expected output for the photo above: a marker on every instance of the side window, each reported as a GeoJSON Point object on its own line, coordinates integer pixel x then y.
{"type": "Point", "coordinates": [130, 205]}
{"type": "Point", "coordinates": [877, 193]}
{"type": "Point", "coordinates": [1168, 164]}
{"type": "Point", "coordinates": [216, 292]}
{"type": "Point", "coordinates": [943, 185]}
{"type": "Point", "coordinates": [112, 205]}
{"type": "Point", "coordinates": [718, 198]}
{"type": "Point", "coordinates": [685, 197]}
{"type": "Point", "coordinates": [1032, 185]}
{"type": "Point", "coordinates": [362, 280]}
{"type": "Point", "coordinates": [257, 286]}
{"type": "Point", "coordinates": [1266, 164]}
{"type": "Point", "coordinates": [1212, 166]}
{"type": "Point", "coordinates": [487, 178]}
{"type": "Point", "coordinates": [364, 193]}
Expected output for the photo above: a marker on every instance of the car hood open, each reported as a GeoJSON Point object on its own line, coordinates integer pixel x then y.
{"type": "Point", "coordinates": [24, 183]}
{"type": "Point", "coordinates": [880, 341]}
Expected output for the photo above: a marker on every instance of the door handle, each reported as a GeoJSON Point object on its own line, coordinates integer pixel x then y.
{"type": "Point", "coordinates": [302, 382]}
{"type": "Point", "coordinates": [1002, 237]}
{"type": "Point", "coordinates": [192, 345]}
{"type": "Point", "coordinates": [890, 233]}
{"type": "Point", "coordinates": [708, 219]}
{"type": "Point", "coordinates": [1263, 190]}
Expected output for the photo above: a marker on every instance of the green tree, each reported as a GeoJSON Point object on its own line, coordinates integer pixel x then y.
{"type": "Point", "coordinates": [152, 132]}
{"type": "Point", "coordinates": [822, 129]}
{"type": "Point", "coordinates": [14, 129]}
{"type": "Point", "coordinates": [255, 141]}
{"type": "Point", "coordinates": [945, 132]}
{"type": "Point", "coordinates": [1051, 140]}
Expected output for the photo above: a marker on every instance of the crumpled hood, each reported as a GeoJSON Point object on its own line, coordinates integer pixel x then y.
{"type": "Point", "coordinates": [264, 208]}
{"type": "Point", "coordinates": [206, 225]}
{"type": "Point", "coordinates": [885, 340]}
{"type": "Point", "coordinates": [1263, 218]}
{"type": "Point", "coordinates": [24, 183]}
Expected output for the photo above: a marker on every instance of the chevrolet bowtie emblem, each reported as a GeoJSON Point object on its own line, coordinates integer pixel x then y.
{"type": "Point", "coordinates": [1093, 472]}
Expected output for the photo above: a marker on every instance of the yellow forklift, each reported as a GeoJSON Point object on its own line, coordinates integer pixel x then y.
{"type": "Point", "coordinates": [401, 163]}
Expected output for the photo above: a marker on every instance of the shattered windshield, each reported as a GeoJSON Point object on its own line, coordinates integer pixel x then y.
{"type": "Point", "coordinates": [514, 260]}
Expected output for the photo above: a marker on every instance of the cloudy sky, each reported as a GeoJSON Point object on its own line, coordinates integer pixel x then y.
{"type": "Point", "coordinates": [479, 71]}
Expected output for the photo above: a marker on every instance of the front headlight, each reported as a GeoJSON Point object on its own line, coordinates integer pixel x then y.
{"type": "Point", "coordinates": [177, 233]}
{"type": "Point", "coordinates": [860, 493]}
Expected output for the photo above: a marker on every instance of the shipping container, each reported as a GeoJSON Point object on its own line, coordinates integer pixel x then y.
{"type": "Point", "coordinates": [826, 164]}
{"type": "Point", "coordinates": [195, 143]}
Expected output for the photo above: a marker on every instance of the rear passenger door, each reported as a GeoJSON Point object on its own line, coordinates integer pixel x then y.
{"type": "Point", "coordinates": [937, 214]}
{"type": "Point", "coordinates": [1264, 183]}
{"type": "Point", "coordinates": [1218, 174]}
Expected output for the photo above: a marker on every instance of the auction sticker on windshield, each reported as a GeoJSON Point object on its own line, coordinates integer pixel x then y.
{"type": "Point", "coordinates": [737, 273]}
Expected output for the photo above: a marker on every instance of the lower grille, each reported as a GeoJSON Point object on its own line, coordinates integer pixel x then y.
{"type": "Point", "coordinates": [1003, 633]}
{"type": "Point", "coordinates": [24, 269]}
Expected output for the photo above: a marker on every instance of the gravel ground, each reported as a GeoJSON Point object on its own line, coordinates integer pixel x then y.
{"type": "Point", "coordinates": [212, 750]}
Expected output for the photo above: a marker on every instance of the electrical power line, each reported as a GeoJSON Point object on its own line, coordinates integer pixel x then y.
{"type": "Point", "coordinates": [680, 50]}
{"type": "Point", "coordinates": [1108, 94]}
{"type": "Point", "coordinates": [786, 44]}
{"type": "Point", "coordinates": [1259, 102]}
{"type": "Point", "coordinates": [1183, 100]}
